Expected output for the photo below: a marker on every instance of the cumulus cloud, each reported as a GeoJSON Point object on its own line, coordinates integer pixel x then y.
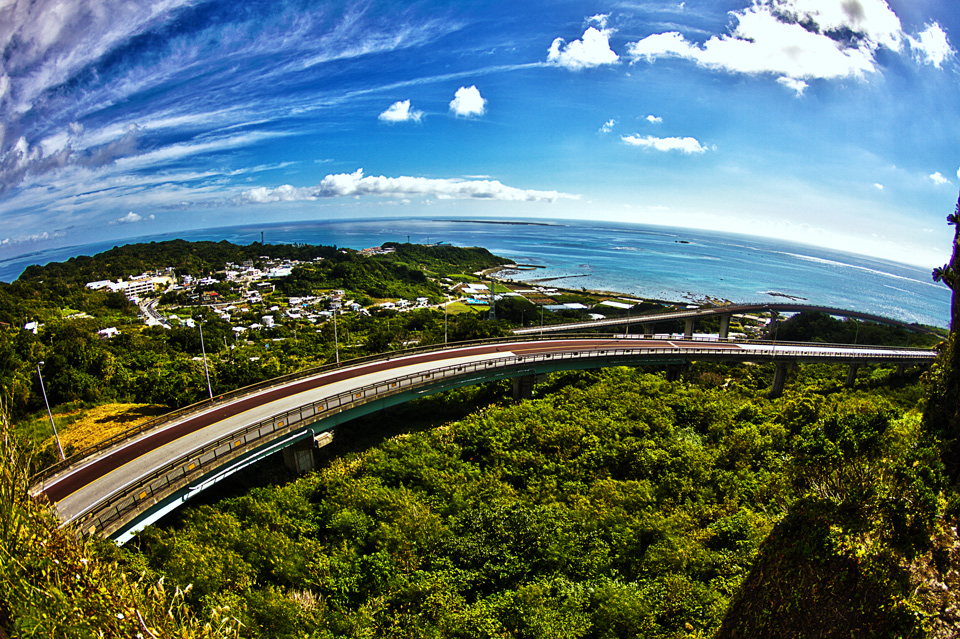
{"type": "Point", "coordinates": [878, 186]}
{"type": "Point", "coordinates": [608, 126]}
{"type": "Point", "coordinates": [355, 185]}
{"type": "Point", "coordinates": [793, 84]}
{"type": "Point", "coordinates": [931, 45]}
{"type": "Point", "coordinates": [468, 102]}
{"type": "Point", "coordinates": [131, 218]}
{"type": "Point", "coordinates": [400, 112]}
{"type": "Point", "coordinates": [800, 40]}
{"type": "Point", "coordinates": [686, 145]}
{"type": "Point", "coordinates": [938, 178]}
{"type": "Point", "coordinates": [592, 50]}
{"type": "Point", "coordinates": [654, 119]}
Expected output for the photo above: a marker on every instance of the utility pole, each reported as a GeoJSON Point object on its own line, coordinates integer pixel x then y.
{"type": "Point", "coordinates": [206, 371]}
{"type": "Point", "coordinates": [493, 302]}
{"type": "Point", "coordinates": [336, 341]}
{"type": "Point", "coordinates": [446, 302]}
{"type": "Point", "coordinates": [541, 320]}
{"type": "Point", "coordinates": [49, 414]}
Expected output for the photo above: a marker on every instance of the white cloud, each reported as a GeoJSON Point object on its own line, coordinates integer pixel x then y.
{"type": "Point", "coordinates": [686, 145]}
{"type": "Point", "coordinates": [592, 50]}
{"type": "Point", "coordinates": [654, 119]}
{"type": "Point", "coordinates": [48, 41]}
{"type": "Point", "coordinates": [467, 102]}
{"type": "Point", "coordinates": [938, 178]}
{"type": "Point", "coordinates": [356, 185]}
{"type": "Point", "coordinates": [400, 112]}
{"type": "Point", "coordinates": [33, 237]}
{"type": "Point", "coordinates": [931, 45]}
{"type": "Point", "coordinates": [878, 186]}
{"type": "Point", "coordinates": [793, 84]}
{"type": "Point", "coordinates": [800, 40]}
{"type": "Point", "coordinates": [600, 19]}
{"type": "Point", "coordinates": [958, 174]}
{"type": "Point", "coordinates": [131, 218]}
{"type": "Point", "coordinates": [608, 126]}
{"type": "Point", "coordinates": [660, 45]}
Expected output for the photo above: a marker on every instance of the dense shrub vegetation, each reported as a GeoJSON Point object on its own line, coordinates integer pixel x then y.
{"type": "Point", "coordinates": [617, 505]}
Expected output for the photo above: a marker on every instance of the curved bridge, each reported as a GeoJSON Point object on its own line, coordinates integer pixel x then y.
{"type": "Point", "coordinates": [725, 312]}
{"type": "Point", "coordinates": [117, 490]}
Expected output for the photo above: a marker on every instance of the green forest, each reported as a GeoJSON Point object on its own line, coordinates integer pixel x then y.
{"type": "Point", "coordinates": [613, 504]}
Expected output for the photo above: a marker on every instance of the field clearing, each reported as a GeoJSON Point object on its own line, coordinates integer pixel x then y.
{"type": "Point", "coordinates": [91, 426]}
{"type": "Point", "coordinates": [456, 308]}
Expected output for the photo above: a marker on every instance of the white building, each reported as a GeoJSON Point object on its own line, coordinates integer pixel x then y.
{"type": "Point", "coordinates": [107, 333]}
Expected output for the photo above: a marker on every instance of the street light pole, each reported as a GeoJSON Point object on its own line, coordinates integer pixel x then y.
{"type": "Point", "coordinates": [446, 302]}
{"type": "Point", "coordinates": [206, 371]}
{"type": "Point", "coordinates": [541, 320]}
{"type": "Point", "coordinates": [336, 341]}
{"type": "Point", "coordinates": [49, 414]}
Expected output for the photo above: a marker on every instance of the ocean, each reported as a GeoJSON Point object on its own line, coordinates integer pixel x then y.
{"type": "Point", "coordinates": [644, 261]}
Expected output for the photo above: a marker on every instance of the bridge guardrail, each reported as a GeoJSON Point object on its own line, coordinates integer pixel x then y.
{"type": "Point", "coordinates": [680, 314]}
{"type": "Point", "coordinates": [253, 389]}
{"type": "Point", "coordinates": [111, 512]}
{"type": "Point", "coordinates": [158, 422]}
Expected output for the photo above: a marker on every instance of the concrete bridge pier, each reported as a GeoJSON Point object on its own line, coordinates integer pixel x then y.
{"type": "Point", "coordinates": [772, 325]}
{"type": "Point", "coordinates": [648, 329]}
{"type": "Point", "coordinates": [688, 327]}
{"type": "Point", "coordinates": [299, 456]}
{"type": "Point", "coordinates": [673, 372]}
{"type": "Point", "coordinates": [852, 375]}
{"type": "Point", "coordinates": [523, 387]}
{"type": "Point", "coordinates": [901, 370]}
{"type": "Point", "coordinates": [724, 325]}
{"type": "Point", "coordinates": [779, 379]}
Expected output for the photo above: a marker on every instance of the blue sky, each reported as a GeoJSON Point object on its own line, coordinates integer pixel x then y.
{"type": "Point", "coordinates": [830, 122]}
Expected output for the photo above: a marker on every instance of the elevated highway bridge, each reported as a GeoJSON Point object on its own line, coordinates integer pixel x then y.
{"type": "Point", "coordinates": [134, 479]}
{"type": "Point", "coordinates": [690, 316]}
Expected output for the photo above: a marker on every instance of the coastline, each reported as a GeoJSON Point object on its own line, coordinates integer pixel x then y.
{"type": "Point", "coordinates": [493, 274]}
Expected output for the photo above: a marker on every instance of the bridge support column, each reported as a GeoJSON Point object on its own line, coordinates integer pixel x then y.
{"type": "Point", "coordinates": [648, 329]}
{"type": "Point", "coordinates": [673, 372]}
{"type": "Point", "coordinates": [772, 325]}
{"type": "Point", "coordinates": [724, 325]}
{"type": "Point", "coordinates": [779, 379]}
{"type": "Point", "coordinates": [901, 369]}
{"type": "Point", "coordinates": [299, 457]}
{"type": "Point", "coordinates": [688, 327]}
{"type": "Point", "coordinates": [523, 387]}
{"type": "Point", "coordinates": [852, 375]}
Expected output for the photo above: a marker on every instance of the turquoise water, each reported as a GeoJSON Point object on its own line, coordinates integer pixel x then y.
{"type": "Point", "coordinates": [647, 261]}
